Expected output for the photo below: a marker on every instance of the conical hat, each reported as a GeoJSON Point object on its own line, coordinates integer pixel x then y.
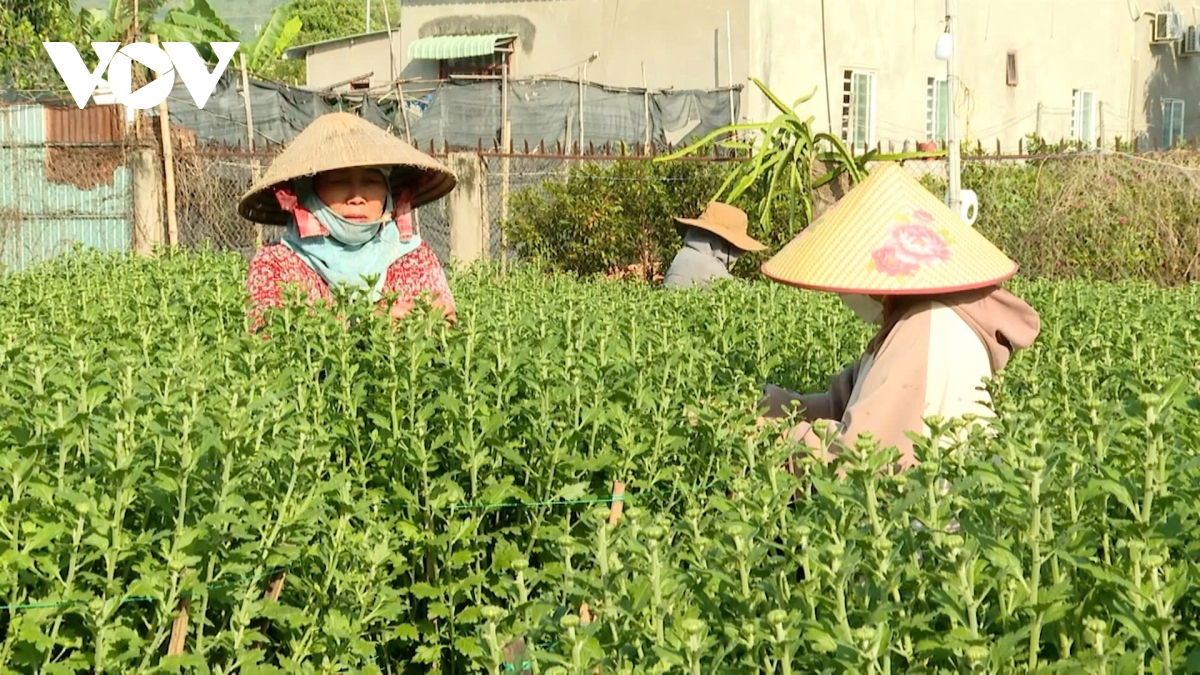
{"type": "Point", "coordinates": [890, 236]}
{"type": "Point", "coordinates": [342, 140]}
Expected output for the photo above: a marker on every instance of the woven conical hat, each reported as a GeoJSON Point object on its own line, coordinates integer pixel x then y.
{"type": "Point", "coordinates": [342, 140]}
{"type": "Point", "coordinates": [890, 236]}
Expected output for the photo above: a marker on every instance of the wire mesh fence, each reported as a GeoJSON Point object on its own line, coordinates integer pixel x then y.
{"type": "Point", "coordinates": [208, 185]}
{"type": "Point", "coordinates": [507, 175]}
{"type": "Point", "coordinates": [210, 181]}
{"type": "Point", "coordinates": [58, 193]}
{"type": "Point", "coordinates": [83, 193]}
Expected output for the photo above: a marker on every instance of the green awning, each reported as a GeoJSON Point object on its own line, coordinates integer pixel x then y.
{"type": "Point", "coordinates": [455, 46]}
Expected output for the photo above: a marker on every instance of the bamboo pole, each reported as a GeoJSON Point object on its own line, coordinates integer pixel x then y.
{"type": "Point", "coordinates": [258, 228]}
{"type": "Point", "coordinates": [646, 106]}
{"type": "Point", "coordinates": [168, 166]}
{"type": "Point", "coordinates": [275, 587]}
{"type": "Point", "coordinates": [395, 80]}
{"type": "Point", "coordinates": [582, 75]}
{"type": "Point", "coordinates": [179, 630]}
{"type": "Point", "coordinates": [505, 168]}
{"type": "Point", "coordinates": [179, 627]}
{"type": "Point", "coordinates": [614, 515]}
{"type": "Point", "coordinates": [402, 109]}
{"type": "Point", "coordinates": [729, 64]}
{"type": "Point", "coordinates": [136, 75]}
{"type": "Point", "coordinates": [246, 104]}
{"type": "Point", "coordinates": [618, 502]}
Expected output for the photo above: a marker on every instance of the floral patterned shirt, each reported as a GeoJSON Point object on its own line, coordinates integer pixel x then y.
{"type": "Point", "coordinates": [274, 265]}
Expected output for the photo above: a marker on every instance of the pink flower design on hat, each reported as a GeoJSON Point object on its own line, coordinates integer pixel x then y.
{"type": "Point", "coordinates": [886, 259]}
{"type": "Point", "coordinates": [919, 245]}
{"type": "Point", "coordinates": [907, 249]}
{"type": "Point", "coordinates": [923, 216]}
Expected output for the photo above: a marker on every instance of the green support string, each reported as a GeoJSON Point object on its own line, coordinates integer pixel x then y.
{"type": "Point", "coordinates": [531, 505]}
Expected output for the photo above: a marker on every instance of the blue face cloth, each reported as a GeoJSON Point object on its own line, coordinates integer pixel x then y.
{"type": "Point", "coordinates": [352, 252]}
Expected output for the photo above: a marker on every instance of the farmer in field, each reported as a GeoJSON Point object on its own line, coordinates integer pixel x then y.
{"type": "Point", "coordinates": [712, 243]}
{"type": "Point", "coordinates": [345, 190]}
{"type": "Point", "coordinates": [901, 259]}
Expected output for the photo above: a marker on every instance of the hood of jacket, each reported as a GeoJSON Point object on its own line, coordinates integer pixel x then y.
{"type": "Point", "coordinates": [1003, 322]}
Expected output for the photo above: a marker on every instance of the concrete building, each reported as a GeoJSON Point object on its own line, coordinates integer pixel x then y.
{"type": "Point", "coordinates": [351, 63]}
{"type": "Point", "coordinates": [682, 43]}
{"type": "Point", "coordinates": [1063, 69]}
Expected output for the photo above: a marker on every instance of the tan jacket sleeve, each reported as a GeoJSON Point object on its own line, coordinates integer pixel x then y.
{"type": "Point", "coordinates": [891, 400]}
{"type": "Point", "coordinates": [829, 404]}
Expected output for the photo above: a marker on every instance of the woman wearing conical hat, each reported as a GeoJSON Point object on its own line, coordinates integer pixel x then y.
{"type": "Point", "coordinates": [345, 190]}
{"type": "Point", "coordinates": [712, 243]}
{"type": "Point", "coordinates": [901, 259]}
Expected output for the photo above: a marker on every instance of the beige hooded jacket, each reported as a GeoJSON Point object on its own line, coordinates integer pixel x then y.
{"type": "Point", "coordinates": [929, 359]}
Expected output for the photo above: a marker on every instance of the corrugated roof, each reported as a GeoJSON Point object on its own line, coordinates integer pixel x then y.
{"type": "Point", "coordinates": [455, 46]}
{"type": "Point", "coordinates": [298, 51]}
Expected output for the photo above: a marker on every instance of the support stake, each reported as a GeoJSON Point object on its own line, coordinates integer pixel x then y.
{"type": "Point", "coordinates": [179, 629]}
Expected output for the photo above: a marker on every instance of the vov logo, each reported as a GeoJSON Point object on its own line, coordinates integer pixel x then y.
{"type": "Point", "coordinates": [179, 57]}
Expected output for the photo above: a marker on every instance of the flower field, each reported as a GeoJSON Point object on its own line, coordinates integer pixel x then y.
{"type": "Point", "coordinates": [391, 500]}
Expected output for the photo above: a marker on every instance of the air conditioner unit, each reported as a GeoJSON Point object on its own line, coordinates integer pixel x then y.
{"type": "Point", "coordinates": [1168, 27]}
{"type": "Point", "coordinates": [1190, 44]}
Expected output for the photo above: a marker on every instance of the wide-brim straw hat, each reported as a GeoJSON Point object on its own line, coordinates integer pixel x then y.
{"type": "Point", "coordinates": [890, 236]}
{"type": "Point", "coordinates": [343, 140]}
{"type": "Point", "coordinates": [727, 222]}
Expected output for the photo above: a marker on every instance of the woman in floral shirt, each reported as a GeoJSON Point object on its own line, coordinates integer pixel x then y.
{"type": "Point", "coordinates": [345, 190]}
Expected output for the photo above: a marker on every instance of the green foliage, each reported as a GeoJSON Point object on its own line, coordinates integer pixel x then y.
{"type": "Point", "coordinates": [197, 23]}
{"type": "Point", "coordinates": [24, 26]}
{"type": "Point", "coordinates": [151, 450]}
{"type": "Point", "coordinates": [609, 214]}
{"type": "Point", "coordinates": [242, 15]}
{"type": "Point", "coordinates": [781, 165]}
{"type": "Point", "coordinates": [264, 52]}
{"type": "Point", "coordinates": [791, 162]}
{"type": "Point", "coordinates": [1105, 218]}
{"type": "Point", "coordinates": [328, 19]}
{"type": "Point", "coordinates": [113, 22]}
{"type": "Point", "coordinates": [194, 22]}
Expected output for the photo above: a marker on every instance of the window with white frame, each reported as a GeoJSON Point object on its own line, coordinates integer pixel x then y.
{"type": "Point", "coordinates": [937, 109]}
{"type": "Point", "coordinates": [1172, 122]}
{"type": "Point", "coordinates": [858, 108]}
{"type": "Point", "coordinates": [1083, 117]}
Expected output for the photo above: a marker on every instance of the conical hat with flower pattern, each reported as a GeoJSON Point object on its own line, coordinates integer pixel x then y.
{"type": "Point", "coordinates": [890, 236]}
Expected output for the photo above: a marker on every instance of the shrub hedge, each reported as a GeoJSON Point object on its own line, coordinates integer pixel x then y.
{"type": "Point", "coordinates": [1098, 217]}
{"type": "Point", "coordinates": [1102, 217]}
{"type": "Point", "coordinates": [609, 214]}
